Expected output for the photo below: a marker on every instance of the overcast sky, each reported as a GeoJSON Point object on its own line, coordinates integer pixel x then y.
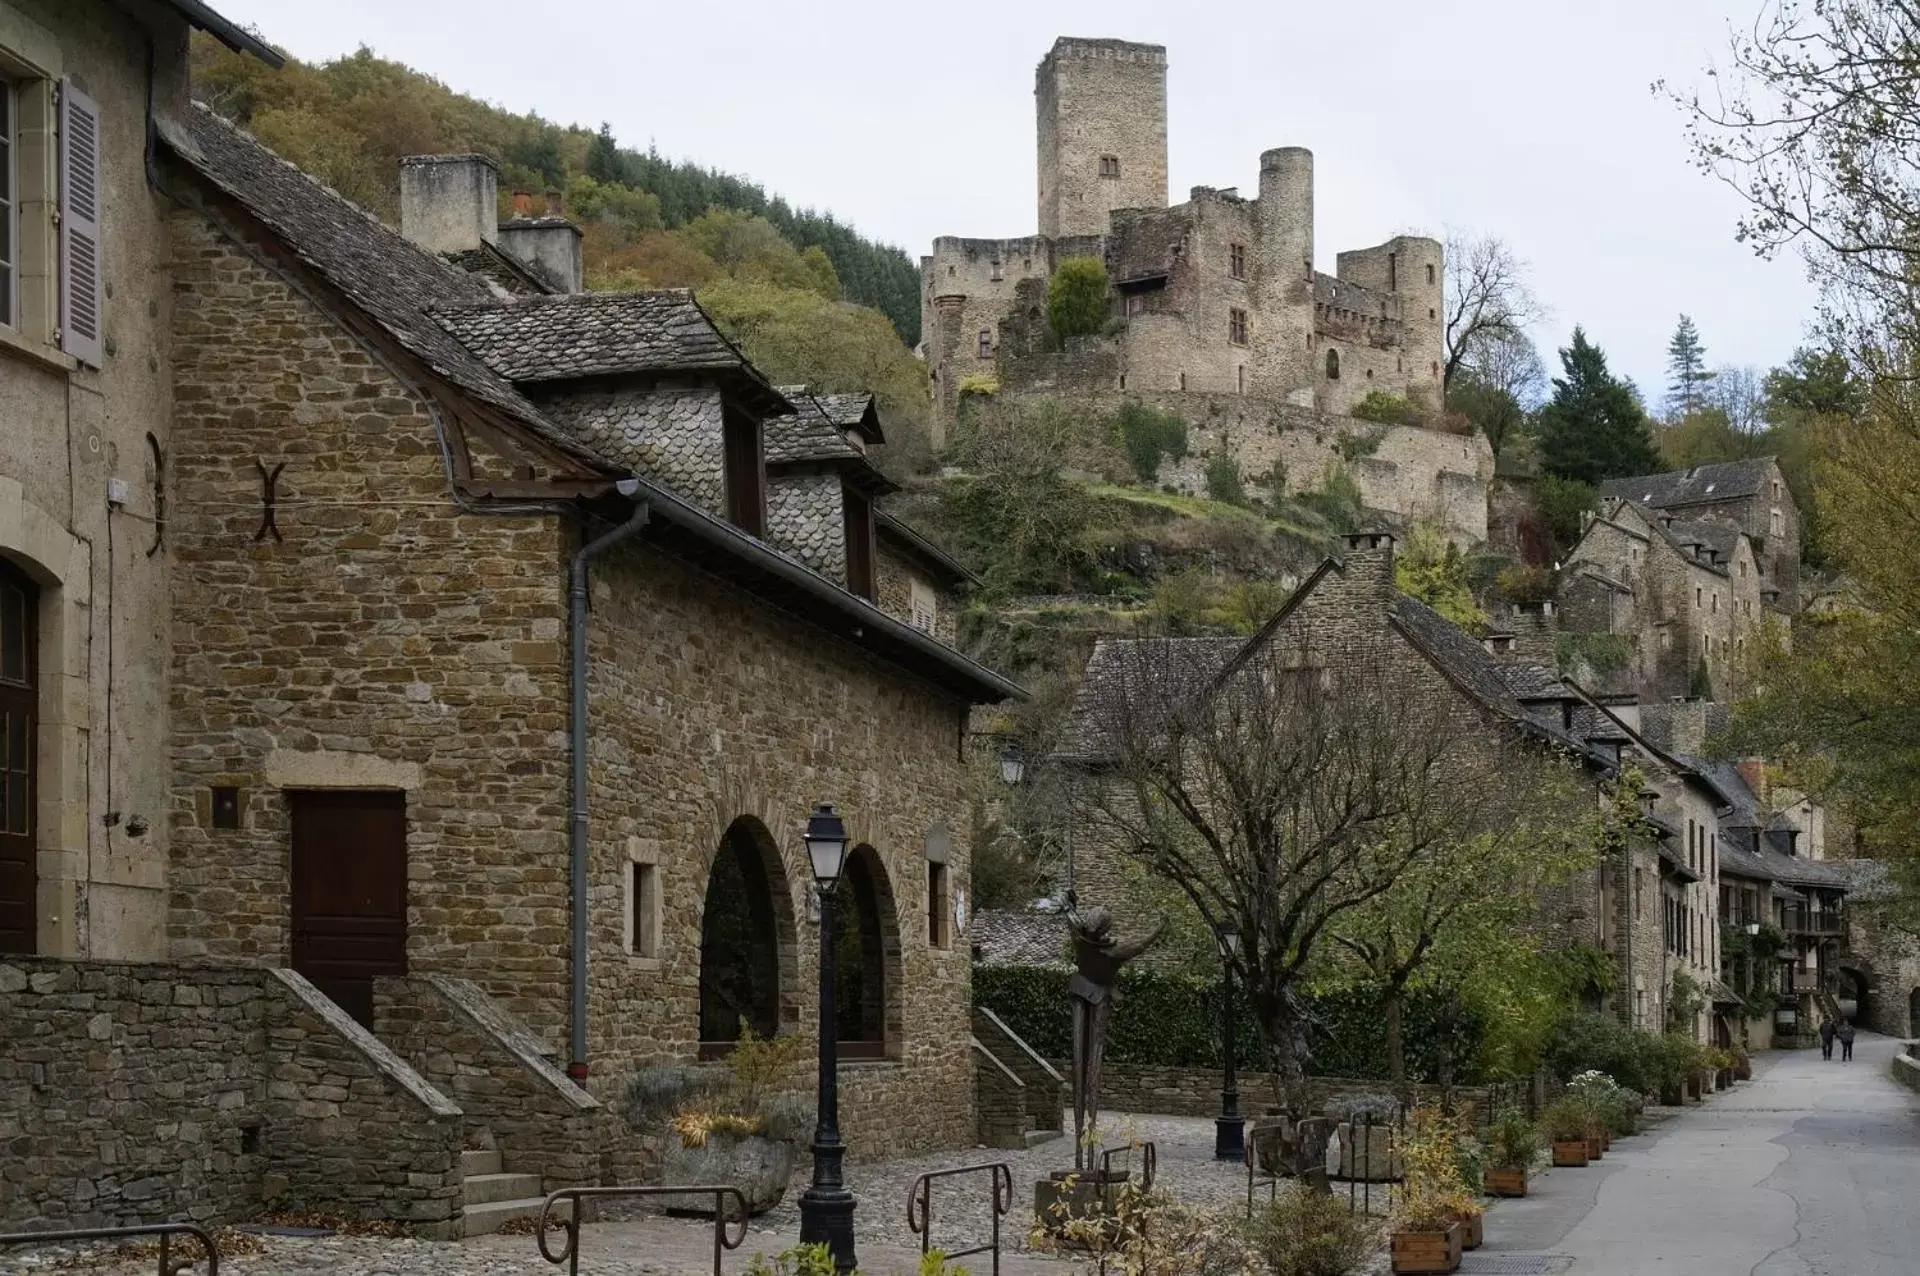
{"type": "Point", "coordinates": [1529, 119]}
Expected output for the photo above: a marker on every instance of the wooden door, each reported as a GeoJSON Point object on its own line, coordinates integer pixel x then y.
{"type": "Point", "coordinates": [19, 710]}
{"type": "Point", "coordinates": [349, 891]}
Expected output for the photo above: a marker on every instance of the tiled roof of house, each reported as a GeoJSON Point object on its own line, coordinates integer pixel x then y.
{"type": "Point", "coordinates": [1722, 538]}
{"type": "Point", "coordinates": [1130, 678]}
{"type": "Point", "coordinates": [501, 269]}
{"type": "Point", "coordinates": [588, 334]}
{"type": "Point", "coordinates": [394, 281]}
{"type": "Point", "coordinates": [854, 412]}
{"type": "Point", "coordinates": [1721, 481]}
{"type": "Point", "coordinates": [808, 433]}
{"type": "Point", "coordinates": [1530, 681]}
{"type": "Point", "coordinates": [1018, 937]}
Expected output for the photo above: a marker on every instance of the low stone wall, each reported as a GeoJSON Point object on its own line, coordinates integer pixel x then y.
{"type": "Point", "coordinates": [1195, 1092]}
{"type": "Point", "coordinates": [1045, 1086]}
{"type": "Point", "coordinates": [999, 1101]}
{"type": "Point", "coordinates": [1905, 1068]}
{"type": "Point", "coordinates": [137, 1092]}
{"type": "Point", "coordinates": [511, 1094]}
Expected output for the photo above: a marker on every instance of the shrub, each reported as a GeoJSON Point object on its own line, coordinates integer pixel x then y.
{"type": "Point", "coordinates": [1386, 408]}
{"type": "Point", "coordinates": [1223, 480]}
{"type": "Point", "coordinates": [1308, 1233]}
{"type": "Point", "coordinates": [738, 1100]}
{"type": "Point", "coordinates": [1436, 1194]}
{"type": "Point", "coordinates": [1561, 502]}
{"type": "Point", "coordinates": [1602, 653]}
{"type": "Point", "coordinates": [1523, 585]}
{"type": "Point", "coordinates": [1150, 437]}
{"type": "Point", "coordinates": [1077, 298]}
{"type": "Point", "coordinates": [1512, 1140]}
{"type": "Point", "coordinates": [1337, 499]}
{"type": "Point", "coordinates": [1565, 1118]}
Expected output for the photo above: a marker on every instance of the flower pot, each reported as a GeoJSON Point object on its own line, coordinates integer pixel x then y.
{"type": "Point", "coordinates": [1423, 1252]}
{"type": "Point", "coordinates": [1569, 1151]}
{"type": "Point", "coordinates": [759, 1167]}
{"type": "Point", "coordinates": [1507, 1182]}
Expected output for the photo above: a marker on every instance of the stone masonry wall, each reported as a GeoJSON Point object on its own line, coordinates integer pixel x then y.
{"type": "Point", "coordinates": [385, 641]}
{"type": "Point", "coordinates": [513, 1096]}
{"type": "Point", "coordinates": [999, 1100]}
{"type": "Point", "coordinates": [1195, 1092]}
{"type": "Point", "coordinates": [143, 1092]}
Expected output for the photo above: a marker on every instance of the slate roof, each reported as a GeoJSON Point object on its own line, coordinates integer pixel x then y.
{"type": "Point", "coordinates": [394, 281]}
{"type": "Point", "coordinates": [854, 412]}
{"type": "Point", "coordinates": [1724, 480]}
{"type": "Point", "coordinates": [588, 334]}
{"type": "Point", "coordinates": [1722, 538]}
{"type": "Point", "coordinates": [1180, 671]}
{"type": "Point", "coordinates": [806, 434]}
{"type": "Point", "coordinates": [1532, 681]}
{"type": "Point", "coordinates": [502, 269]}
{"type": "Point", "coordinates": [1018, 937]}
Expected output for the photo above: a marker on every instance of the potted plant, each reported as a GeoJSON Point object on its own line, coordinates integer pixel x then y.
{"type": "Point", "coordinates": [1430, 1227]}
{"type": "Point", "coordinates": [1566, 1123]}
{"type": "Point", "coordinates": [1742, 1064]}
{"type": "Point", "coordinates": [731, 1124]}
{"type": "Point", "coordinates": [1512, 1143]}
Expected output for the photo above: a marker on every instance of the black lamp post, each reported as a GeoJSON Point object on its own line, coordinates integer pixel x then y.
{"type": "Point", "coordinates": [826, 1207]}
{"type": "Point", "coordinates": [1229, 1128]}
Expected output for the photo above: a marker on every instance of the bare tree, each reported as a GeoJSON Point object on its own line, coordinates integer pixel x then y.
{"type": "Point", "coordinates": [1509, 362]}
{"type": "Point", "coordinates": [1280, 790]}
{"type": "Point", "coordinates": [1487, 296]}
{"type": "Point", "coordinates": [1816, 123]}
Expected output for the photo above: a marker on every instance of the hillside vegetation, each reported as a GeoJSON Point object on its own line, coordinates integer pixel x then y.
{"type": "Point", "coordinates": [808, 298]}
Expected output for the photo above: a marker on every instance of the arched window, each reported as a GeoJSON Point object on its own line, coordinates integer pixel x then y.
{"type": "Point", "coordinates": [1333, 365]}
{"type": "Point", "coordinates": [866, 988]}
{"type": "Point", "coordinates": [746, 940]}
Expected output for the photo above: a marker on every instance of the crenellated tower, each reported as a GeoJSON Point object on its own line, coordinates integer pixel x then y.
{"type": "Point", "coordinates": [1102, 113]}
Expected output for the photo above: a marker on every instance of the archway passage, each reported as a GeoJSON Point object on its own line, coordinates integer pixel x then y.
{"type": "Point", "coordinates": [866, 960]}
{"type": "Point", "coordinates": [19, 705]}
{"type": "Point", "coordinates": [746, 940]}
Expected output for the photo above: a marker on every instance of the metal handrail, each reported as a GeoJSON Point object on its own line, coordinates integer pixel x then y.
{"type": "Point", "coordinates": [920, 1207]}
{"type": "Point", "coordinates": [165, 1231]}
{"type": "Point", "coordinates": [723, 1239]}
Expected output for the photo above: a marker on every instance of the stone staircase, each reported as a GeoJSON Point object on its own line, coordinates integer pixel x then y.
{"type": "Point", "coordinates": [494, 1197]}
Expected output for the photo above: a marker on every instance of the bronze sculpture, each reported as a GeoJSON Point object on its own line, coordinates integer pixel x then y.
{"type": "Point", "coordinates": [1098, 956]}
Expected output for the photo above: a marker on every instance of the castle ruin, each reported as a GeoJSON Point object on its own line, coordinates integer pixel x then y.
{"type": "Point", "coordinates": [1217, 294]}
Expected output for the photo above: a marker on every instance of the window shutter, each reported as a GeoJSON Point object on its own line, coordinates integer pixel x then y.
{"type": "Point", "coordinates": [80, 281]}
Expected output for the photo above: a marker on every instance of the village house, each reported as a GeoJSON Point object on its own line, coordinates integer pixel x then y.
{"type": "Point", "coordinates": [1750, 496]}
{"type": "Point", "coordinates": [487, 645]}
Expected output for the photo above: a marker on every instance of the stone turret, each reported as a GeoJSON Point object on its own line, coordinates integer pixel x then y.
{"type": "Point", "coordinates": [1101, 108]}
{"type": "Point", "coordinates": [1283, 272]}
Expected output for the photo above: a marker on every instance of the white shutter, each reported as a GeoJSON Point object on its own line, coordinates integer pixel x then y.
{"type": "Point", "coordinates": [80, 279]}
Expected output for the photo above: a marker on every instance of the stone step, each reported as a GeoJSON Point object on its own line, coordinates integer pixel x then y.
{"type": "Point", "coordinates": [1034, 1138]}
{"type": "Point", "coordinates": [485, 1189]}
{"type": "Point", "coordinates": [487, 1162]}
{"type": "Point", "coordinates": [482, 1220]}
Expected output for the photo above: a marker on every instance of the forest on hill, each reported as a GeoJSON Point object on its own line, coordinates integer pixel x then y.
{"type": "Point", "coordinates": [809, 299]}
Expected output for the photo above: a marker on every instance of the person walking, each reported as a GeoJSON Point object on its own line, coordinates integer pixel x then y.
{"type": "Point", "coordinates": [1845, 1033]}
{"type": "Point", "coordinates": [1826, 1038]}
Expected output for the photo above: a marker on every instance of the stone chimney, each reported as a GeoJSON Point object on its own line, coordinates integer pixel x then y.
{"type": "Point", "coordinates": [1369, 562]}
{"type": "Point", "coordinates": [548, 245]}
{"type": "Point", "coordinates": [1754, 772]}
{"type": "Point", "coordinates": [449, 203]}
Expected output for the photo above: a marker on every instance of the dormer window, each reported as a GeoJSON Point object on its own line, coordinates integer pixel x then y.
{"type": "Point", "coordinates": [857, 522]}
{"type": "Point", "coordinates": [746, 473]}
{"type": "Point", "coordinates": [1110, 166]}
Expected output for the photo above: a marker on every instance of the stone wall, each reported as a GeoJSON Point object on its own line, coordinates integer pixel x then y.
{"type": "Point", "coordinates": [999, 1101]}
{"type": "Point", "coordinates": [511, 1093]}
{"type": "Point", "coordinates": [1096, 98]}
{"type": "Point", "coordinates": [1195, 1092]}
{"type": "Point", "coordinates": [137, 1093]}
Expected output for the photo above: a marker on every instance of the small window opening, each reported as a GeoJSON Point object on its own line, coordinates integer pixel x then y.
{"type": "Point", "coordinates": [986, 343]}
{"type": "Point", "coordinates": [993, 271]}
{"type": "Point", "coordinates": [643, 905]}
{"type": "Point", "coordinates": [1237, 326]}
{"type": "Point", "coordinates": [1109, 166]}
{"type": "Point", "coordinates": [1241, 373]}
{"type": "Point", "coordinates": [1429, 272]}
{"type": "Point", "coordinates": [939, 929]}
{"type": "Point", "coordinates": [1333, 365]}
{"type": "Point", "coordinates": [1236, 261]}
{"type": "Point", "coordinates": [226, 807]}
{"type": "Point", "coordinates": [1183, 380]}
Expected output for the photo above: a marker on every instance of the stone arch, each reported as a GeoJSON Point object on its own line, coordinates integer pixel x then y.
{"type": "Point", "coordinates": [868, 1017]}
{"type": "Point", "coordinates": [1855, 985]}
{"type": "Point", "coordinates": [747, 943]}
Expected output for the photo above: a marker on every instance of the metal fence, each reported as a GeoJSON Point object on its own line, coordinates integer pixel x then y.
{"type": "Point", "coordinates": [920, 1207]}
{"type": "Point", "coordinates": [723, 1237]}
{"type": "Point", "coordinates": [165, 1231]}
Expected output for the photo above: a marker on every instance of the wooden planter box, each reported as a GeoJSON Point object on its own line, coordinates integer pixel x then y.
{"type": "Point", "coordinates": [1596, 1147]}
{"type": "Point", "coordinates": [1606, 1140]}
{"type": "Point", "coordinates": [1569, 1151]}
{"type": "Point", "coordinates": [1472, 1231]}
{"type": "Point", "coordinates": [1507, 1182]}
{"type": "Point", "coordinates": [1423, 1252]}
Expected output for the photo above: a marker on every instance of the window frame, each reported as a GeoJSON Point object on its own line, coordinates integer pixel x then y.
{"type": "Point", "coordinates": [1236, 326]}
{"type": "Point", "coordinates": [1236, 261]}
{"type": "Point", "coordinates": [10, 200]}
{"type": "Point", "coordinates": [1110, 168]}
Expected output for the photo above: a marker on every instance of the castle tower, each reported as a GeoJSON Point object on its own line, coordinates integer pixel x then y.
{"type": "Point", "coordinates": [1283, 358]}
{"type": "Point", "coordinates": [1101, 106]}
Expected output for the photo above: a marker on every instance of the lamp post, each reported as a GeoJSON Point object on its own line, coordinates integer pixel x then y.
{"type": "Point", "coordinates": [826, 1207]}
{"type": "Point", "coordinates": [1229, 1128]}
{"type": "Point", "coordinates": [1013, 765]}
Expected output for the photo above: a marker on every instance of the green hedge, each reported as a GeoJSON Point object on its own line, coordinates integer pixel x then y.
{"type": "Point", "coordinates": [1173, 1020]}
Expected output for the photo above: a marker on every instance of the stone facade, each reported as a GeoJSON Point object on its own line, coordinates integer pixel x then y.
{"type": "Point", "coordinates": [416, 648]}
{"type": "Point", "coordinates": [149, 1091]}
{"type": "Point", "coordinates": [95, 560]}
{"type": "Point", "coordinates": [1217, 294]}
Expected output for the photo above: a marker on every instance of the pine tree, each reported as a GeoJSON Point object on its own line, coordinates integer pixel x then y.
{"type": "Point", "coordinates": [1686, 369]}
{"type": "Point", "coordinates": [1593, 428]}
{"type": "Point", "coordinates": [603, 156]}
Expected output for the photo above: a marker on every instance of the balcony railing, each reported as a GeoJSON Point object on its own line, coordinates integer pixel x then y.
{"type": "Point", "coordinates": [1802, 922]}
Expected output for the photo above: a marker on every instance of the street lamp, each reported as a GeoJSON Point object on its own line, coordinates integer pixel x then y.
{"type": "Point", "coordinates": [1013, 765]}
{"type": "Point", "coordinates": [1229, 1128]}
{"type": "Point", "coordinates": [1753, 928]}
{"type": "Point", "coordinates": [826, 1207]}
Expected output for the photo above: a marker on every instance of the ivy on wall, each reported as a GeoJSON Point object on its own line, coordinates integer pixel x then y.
{"type": "Point", "coordinates": [1172, 1020]}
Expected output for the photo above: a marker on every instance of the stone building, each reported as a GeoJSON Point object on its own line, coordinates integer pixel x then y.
{"type": "Point", "coordinates": [85, 359]}
{"type": "Point", "coordinates": [1686, 597]}
{"type": "Point", "coordinates": [1751, 497]}
{"type": "Point", "coordinates": [1218, 294]}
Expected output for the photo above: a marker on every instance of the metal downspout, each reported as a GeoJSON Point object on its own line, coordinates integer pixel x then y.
{"type": "Point", "coordinates": [577, 848]}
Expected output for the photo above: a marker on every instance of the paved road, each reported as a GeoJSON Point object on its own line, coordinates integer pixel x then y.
{"type": "Point", "coordinates": [1810, 1168]}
